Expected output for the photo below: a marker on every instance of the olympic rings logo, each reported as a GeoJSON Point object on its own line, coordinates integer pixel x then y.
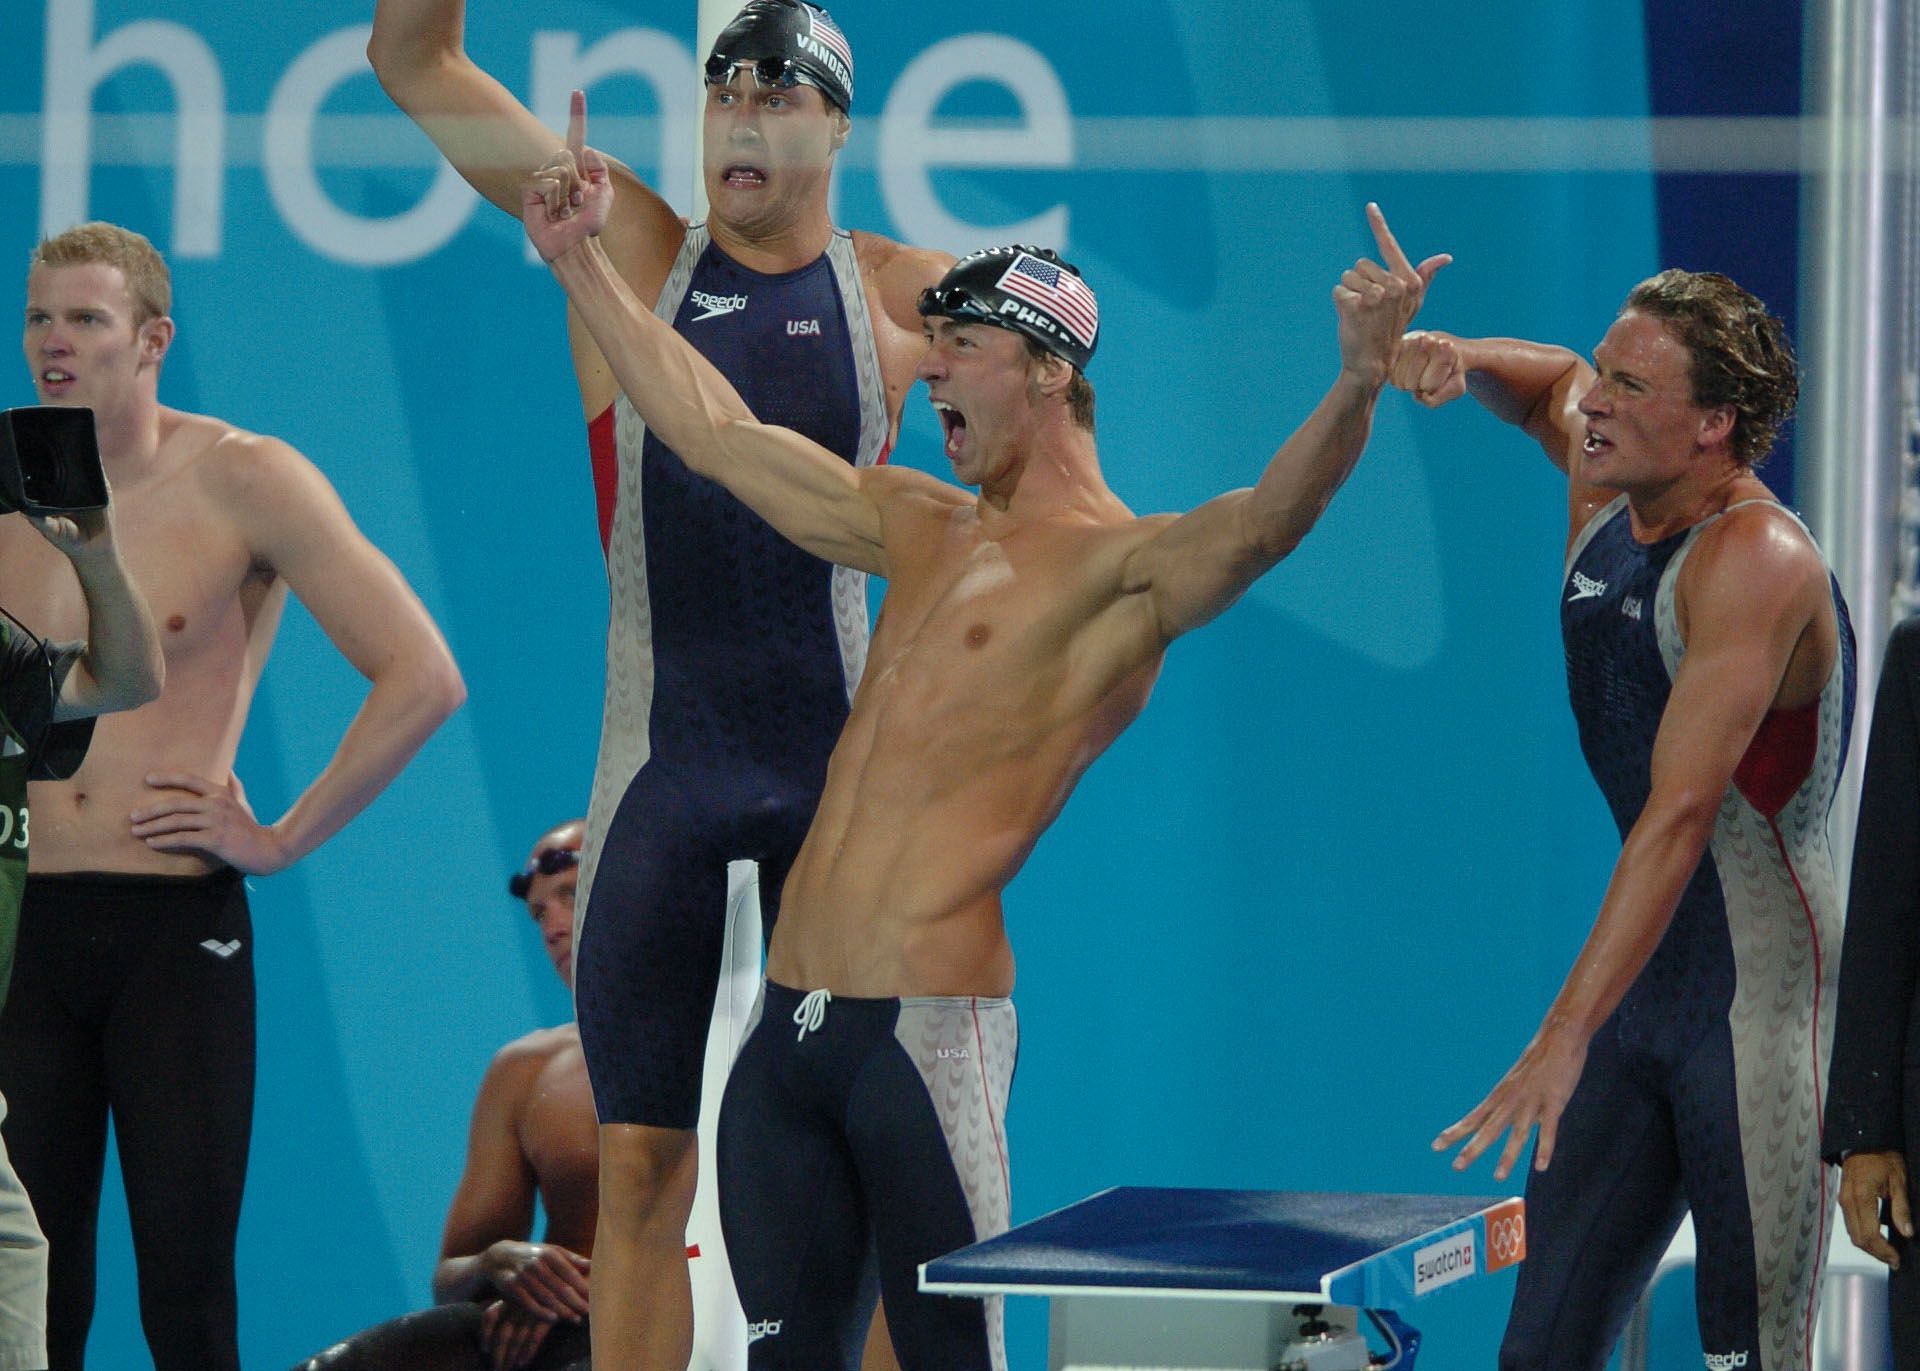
{"type": "Point", "coordinates": [1506, 1240]}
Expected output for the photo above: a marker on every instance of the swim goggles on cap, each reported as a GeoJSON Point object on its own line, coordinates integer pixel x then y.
{"type": "Point", "coordinates": [952, 301]}
{"type": "Point", "coordinates": [768, 72]}
{"type": "Point", "coordinates": [548, 861]}
{"type": "Point", "coordinates": [785, 43]}
{"type": "Point", "coordinates": [1031, 291]}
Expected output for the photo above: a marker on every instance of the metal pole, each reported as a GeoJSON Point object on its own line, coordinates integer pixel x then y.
{"type": "Point", "coordinates": [1858, 337]}
{"type": "Point", "coordinates": [712, 16]}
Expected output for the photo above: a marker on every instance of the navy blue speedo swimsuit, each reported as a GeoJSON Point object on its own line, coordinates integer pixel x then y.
{"type": "Point", "coordinates": [731, 659]}
{"type": "Point", "coordinates": [1702, 1091]}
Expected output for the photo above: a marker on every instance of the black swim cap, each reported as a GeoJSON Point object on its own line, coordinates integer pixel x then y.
{"type": "Point", "coordinates": [1029, 290]}
{"type": "Point", "coordinates": [548, 861]}
{"type": "Point", "coordinates": [786, 41]}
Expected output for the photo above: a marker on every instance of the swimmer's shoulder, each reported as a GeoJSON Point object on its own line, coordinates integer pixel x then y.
{"type": "Point", "coordinates": [220, 451]}
{"type": "Point", "coordinates": [518, 1064]}
{"type": "Point", "coordinates": [895, 274]}
{"type": "Point", "coordinates": [205, 441]}
{"type": "Point", "coordinates": [540, 1046]}
{"type": "Point", "coordinates": [643, 245]}
{"type": "Point", "coordinates": [250, 479]}
{"type": "Point", "coordinates": [907, 493]}
{"type": "Point", "coordinates": [1755, 536]}
{"type": "Point", "coordinates": [1109, 541]}
{"type": "Point", "coordinates": [262, 484]}
{"type": "Point", "coordinates": [521, 1071]}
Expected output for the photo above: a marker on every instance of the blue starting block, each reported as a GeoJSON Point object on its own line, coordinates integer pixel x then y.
{"type": "Point", "coordinates": [1236, 1280]}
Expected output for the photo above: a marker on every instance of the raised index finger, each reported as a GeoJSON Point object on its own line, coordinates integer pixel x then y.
{"type": "Point", "coordinates": [577, 125]}
{"type": "Point", "coordinates": [1390, 252]}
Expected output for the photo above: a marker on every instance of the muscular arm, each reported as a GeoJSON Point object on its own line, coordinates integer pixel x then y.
{"type": "Point", "coordinates": [1203, 561]}
{"type": "Point", "coordinates": [1536, 387]}
{"type": "Point", "coordinates": [1748, 598]}
{"type": "Point", "coordinates": [484, 1248]}
{"type": "Point", "coordinates": [495, 1196]}
{"type": "Point", "coordinates": [418, 52]}
{"type": "Point", "coordinates": [373, 617]}
{"type": "Point", "coordinates": [123, 666]}
{"type": "Point", "coordinates": [294, 524]}
{"type": "Point", "coordinates": [807, 493]}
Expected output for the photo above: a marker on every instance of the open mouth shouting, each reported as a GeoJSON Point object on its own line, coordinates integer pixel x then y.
{"type": "Point", "coordinates": [953, 423]}
{"type": "Point", "coordinates": [743, 176]}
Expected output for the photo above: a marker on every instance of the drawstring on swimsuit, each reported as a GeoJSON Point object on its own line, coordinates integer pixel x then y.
{"type": "Point", "coordinates": [811, 1013]}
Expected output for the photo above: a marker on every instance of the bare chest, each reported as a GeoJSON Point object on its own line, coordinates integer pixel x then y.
{"type": "Point", "coordinates": [558, 1132]}
{"type": "Point", "coordinates": [197, 576]}
{"type": "Point", "coordinates": [982, 623]}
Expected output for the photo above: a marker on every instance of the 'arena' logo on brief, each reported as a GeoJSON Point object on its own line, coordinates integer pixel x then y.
{"type": "Point", "coordinates": [1443, 1263]}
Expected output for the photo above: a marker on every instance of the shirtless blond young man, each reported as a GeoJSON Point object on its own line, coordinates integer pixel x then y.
{"type": "Point", "coordinates": [505, 1301]}
{"type": "Point", "coordinates": [1022, 631]}
{"type": "Point", "coordinates": [134, 987]}
{"type": "Point", "coordinates": [731, 654]}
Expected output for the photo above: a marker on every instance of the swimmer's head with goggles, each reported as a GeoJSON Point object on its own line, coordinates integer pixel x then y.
{"type": "Point", "coordinates": [784, 43]}
{"type": "Point", "coordinates": [1032, 291]}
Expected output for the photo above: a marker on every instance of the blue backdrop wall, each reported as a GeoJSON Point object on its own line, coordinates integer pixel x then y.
{"type": "Point", "coordinates": [1306, 911]}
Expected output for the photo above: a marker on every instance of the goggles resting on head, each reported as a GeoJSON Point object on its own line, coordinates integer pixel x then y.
{"type": "Point", "coordinates": [1029, 290]}
{"type": "Point", "coordinates": [781, 73]}
{"type": "Point", "coordinates": [956, 302]}
{"type": "Point", "coordinates": [785, 43]}
{"type": "Point", "coordinates": [548, 861]}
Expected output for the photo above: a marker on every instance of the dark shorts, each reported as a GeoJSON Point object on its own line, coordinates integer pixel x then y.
{"type": "Point", "coordinates": [857, 1141]}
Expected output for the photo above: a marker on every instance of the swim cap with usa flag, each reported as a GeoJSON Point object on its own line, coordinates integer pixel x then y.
{"type": "Point", "coordinates": [1029, 290]}
{"type": "Point", "coordinates": [785, 41]}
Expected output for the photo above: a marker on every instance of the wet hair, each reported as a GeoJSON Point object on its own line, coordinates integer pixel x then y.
{"type": "Point", "coordinates": [1739, 352]}
{"type": "Point", "coordinates": [148, 280]}
{"type": "Point", "coordinates": [1079, 389]}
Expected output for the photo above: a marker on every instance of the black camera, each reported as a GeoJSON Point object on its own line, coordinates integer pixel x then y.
{"type": "Point", "coordinates": [50, 461]}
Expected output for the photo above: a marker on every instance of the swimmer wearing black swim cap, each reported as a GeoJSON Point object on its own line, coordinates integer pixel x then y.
{"type": "Point", "coordinates": [1031, 291]}
{"type": "Point", "coordinates": [1028, 613]}
{"type": "Point", "coordinates": [817, 323]}
{"type": "Point", "coordinates": [783, 43]}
